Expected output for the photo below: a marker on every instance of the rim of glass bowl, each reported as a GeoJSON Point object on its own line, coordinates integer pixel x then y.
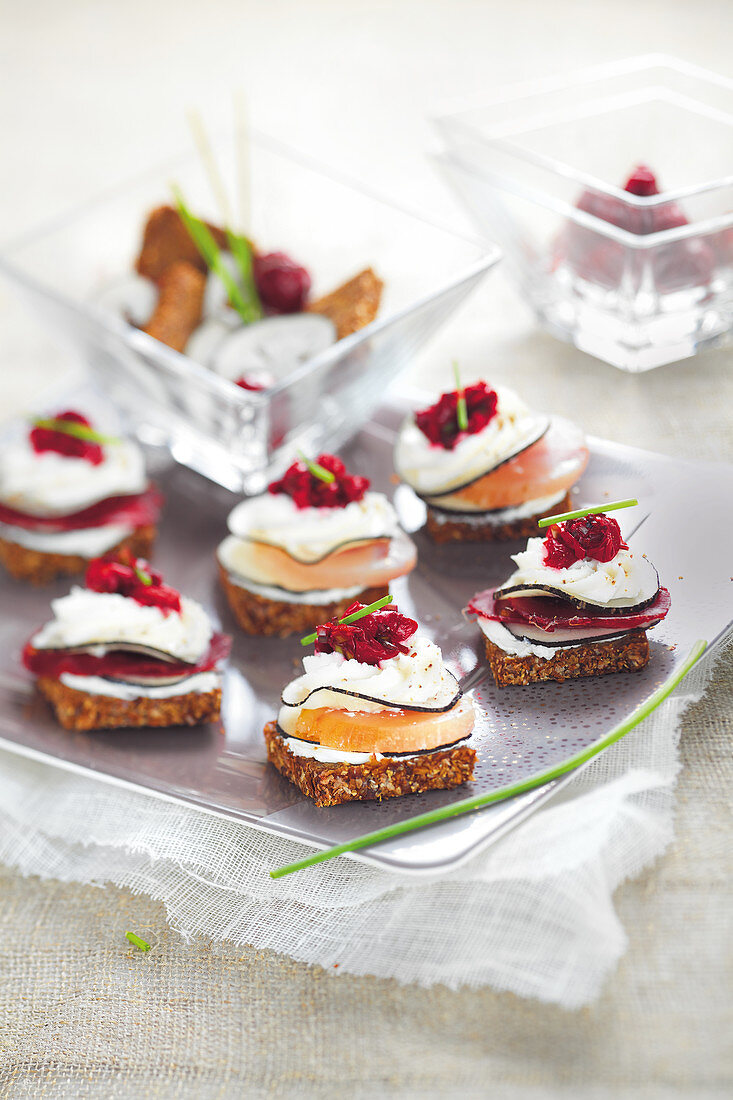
{"type": "Point", "coordinates": [449, 117]}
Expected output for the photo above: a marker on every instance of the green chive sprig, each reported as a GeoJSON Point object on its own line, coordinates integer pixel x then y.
{"type": "Point", "coordinates": [354, 616]}
{"type": "Point", "coordinates": [593, 510]}
{"type": "Point", "coordinates": [467, 805]}
{"type": "Point", "coordinates": [461, 408]}
{"type": "Point", "coordinates": [142, 576]}
{"type": "Point", "coordinates": [316, 469]}
{"type": "Point", "coordinates": [79, 431]}
{"type": "Point", "coordinates": [242, 251]}
{"type": "Point", "coordinates": [137, 941]}
{"type": "Point", "coordinates": [248, 307]}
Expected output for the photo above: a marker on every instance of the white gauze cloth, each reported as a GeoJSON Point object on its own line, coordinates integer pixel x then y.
{"type": "Point", "coordinates": [533, 914]}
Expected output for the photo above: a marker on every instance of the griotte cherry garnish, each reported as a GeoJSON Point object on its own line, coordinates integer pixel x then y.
{"type": "Point", "coordinates": [63, 443]}
{"type": "Point", "coordinates": [439, 423]}
{"type": "Point", "coordinates": [310, 491]}
{"type": "Point", "coordinates": [596, 536]}
{"type": "Point", "coordinates": [282, 284]}
{"type": "Point", "coordinates": [676, 265]}
{"type": "Point", "coordinates": [641, 182]}
{"type": "Point", "coordinates": [373, 638]}
{"type": "Point", "coordinates": [125, 575]}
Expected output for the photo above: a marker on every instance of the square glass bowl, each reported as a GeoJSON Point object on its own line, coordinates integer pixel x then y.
{"type": "Point", "coordinates": [636, 280]}
{"type": "Point", "coordinates": [236, 437]}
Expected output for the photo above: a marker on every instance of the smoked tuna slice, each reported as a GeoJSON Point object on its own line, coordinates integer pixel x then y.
{"type": "Point", "coordinates": [137, 510]}
{"type": "Point", "coordinates": [551, 613]}
{"type": "Point", "coordinates": [547, 468]}
{"type": "Point", "coordinates": [120, 665]}
{"type": "Point", "coordinates": [385, 731]}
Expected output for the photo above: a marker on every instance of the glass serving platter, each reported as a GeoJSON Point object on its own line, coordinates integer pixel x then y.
{"type": "Point", "coordinates": [521, 731]}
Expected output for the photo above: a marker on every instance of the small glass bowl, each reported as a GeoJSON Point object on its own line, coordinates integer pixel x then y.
{"type": "Point", "coordinates": [635, 280]}
{"type": "Point", "coordinates": [236, 437]}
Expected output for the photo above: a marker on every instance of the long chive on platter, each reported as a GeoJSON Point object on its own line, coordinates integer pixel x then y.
{"type": "Point", "coordinates": [530, 741]}
{"type": "Point", "coordinates": [590, 510]}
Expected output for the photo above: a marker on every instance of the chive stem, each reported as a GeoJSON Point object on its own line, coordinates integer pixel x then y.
{"type": "Point", "coordinates": [354, 616]}
{"type": "Point", "coordinates": [461, 408]}
{"type": "Point", "coordinates": [249, 310]}
{"type": "Point", "coordinates": [142, 576]}
{"type": "Point", "coordinates": [137, 941]}
{"type": "Point", "coordinates": [467, 805]}
{"type": "Point", "coordinates": [242, 251]}
{"type": "Point", "coordinates": [316, 469]}
{"type": "Point", "coordinates": [592, 510]}
{"type": "Point", "coordinates": [78, 431]}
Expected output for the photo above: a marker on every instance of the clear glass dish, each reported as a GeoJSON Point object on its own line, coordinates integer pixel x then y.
{"type": "Point", "coordinates": [235, 437]}
{"type": "Point", "coordinates": [636, 280]}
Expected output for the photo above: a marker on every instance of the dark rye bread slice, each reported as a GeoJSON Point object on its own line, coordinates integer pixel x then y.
{"type": "Point", "coordinates": [179, 306]}
{"type": "Point", "coordinates": [626, 654]}
{"type": "Point", "coordinates": [353, 305]}
{"type": "Point", "coordinates": [77, 710]}
{"type": "Point", "coordinates": [442, 528]}
{"type": "Point", "coordinates": [167, 241]}
{"type": "Point", "coordinates": [40, 568]}
{"type": "Point", "coordinates": [259, 615]}
{"type": "Point", "coordinates": [333, 784]}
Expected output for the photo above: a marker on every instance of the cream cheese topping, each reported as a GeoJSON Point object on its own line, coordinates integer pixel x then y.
{"type": "Point", "coordinates": [51, 484]}
{"type": "Point", "coordinates": [626, 579]}
{"type": "Point", "coordinates": [479, 518]}
{"type": "Point", "coordinates": [338, 756]}
{"type": "Point", "coordinates": [103, 618]}
{"type": "Point", "coordinates": [509, 643]}
{"type": "Point", "coordinates": [87, 542]}
{"type": "Point", "coordinates": [250, 563]}
{"type": "Point", "coordinates": [199, 684]}
{"type": "Point", "coordinates": [418, 678]}
{"type": "Point", "coordinates": [430, 469]}
{"type": "Point", "coordinates": [309, 534]}
{"type": "Point", "coordinates": [311, 751]}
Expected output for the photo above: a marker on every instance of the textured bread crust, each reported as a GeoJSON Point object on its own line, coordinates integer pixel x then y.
{"type": "Point", "coordinates": [627, 654]}
{"type": "Point", "coordinates": [180, 303]}
{"type": "Point", "coordinates": [33, 565]}
{"type": "Point", "coordinates": [76, 710]}
{"type": "Point", "coordinates": [166, 241]}
{"type": "Point", "coordinates": [258, 615]}
{"type": "Point", "coordinates": [332, 784]}
{"type": "Point", "coordinates": [457, 531]}
{"type": "Point", "coordinates": [353, 305]}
